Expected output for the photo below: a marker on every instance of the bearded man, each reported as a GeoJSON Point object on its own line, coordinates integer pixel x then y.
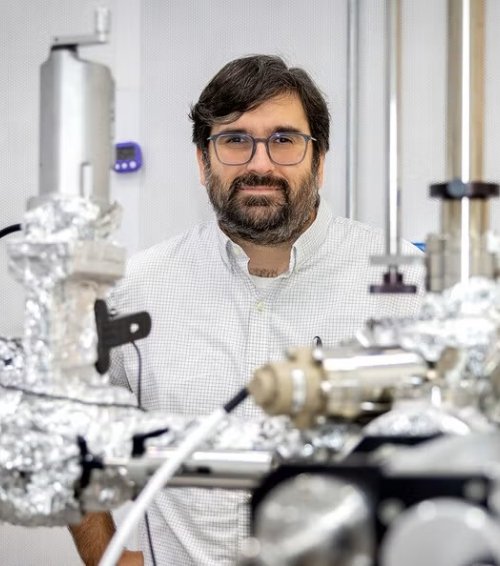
{"type": "Point", "coordinates": [274, 269]}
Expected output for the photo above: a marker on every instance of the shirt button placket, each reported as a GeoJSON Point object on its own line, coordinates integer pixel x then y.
{"type": "Point", "coordinates": [258, 335]}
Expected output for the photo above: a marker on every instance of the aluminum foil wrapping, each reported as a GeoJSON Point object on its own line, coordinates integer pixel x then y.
{"type": "Point", "coordinates": [458, 332]}
{"type": "Point", "coordinates": [11, 360]}
{"type": "Point", "coordinates": [273, 434]}
{"type": "Point", "coordinates": [50, 392]}
{"type": "Point", "coordinates": [40, 457]}
{"type": "Point", "coordinates": [419, 418]}
{"type": "Point", "coordinates": [465, 318]}
{"type": "Point", "coordinates": [63, 261]}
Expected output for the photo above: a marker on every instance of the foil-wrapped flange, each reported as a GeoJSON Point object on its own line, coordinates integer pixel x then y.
{"type": "Point", "coordinates": [41, 459]}
{"type": "Point", "coordinates": [465, 319]}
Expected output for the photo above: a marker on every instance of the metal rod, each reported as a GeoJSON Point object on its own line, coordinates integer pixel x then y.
{"type": "Point", "coordinates": [465, 113]}
{"type": "Point", "coordinates": [465, 89]}
{"type": "Point", "coordinates": [229, 469]}
{"type": "Point", "coordinates": [393, 62]}
{"type": "Point", "coordinates": [352, 109]}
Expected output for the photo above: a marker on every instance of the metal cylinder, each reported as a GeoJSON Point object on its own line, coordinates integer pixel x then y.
{"type": "Point", "coordinates": [352, 110]}
{"type": "Point", "coordinates": [228, 469]}
{"type": "Point", "coordinates": [465, 89]}
{"type": "Point", "coordinates": [76, 118]}
{"type": "Point", "coordinates": [393, 76]}
{"type": "Point", "coordinates": [353, 378]}
{"type": "Point", "coordinates": [336, 385]}
{"type": "Point", "coordinates": [375, 367]}
{"type": "Point", "coordinates": [315, 520]}
{"type": "Point", "coordinates": [463, 220]}
{"type": "Point", "coordinates": [461, 251]}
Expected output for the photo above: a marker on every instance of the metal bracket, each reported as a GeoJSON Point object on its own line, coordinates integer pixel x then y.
{"type": "Point", "coordinates": [112, 332]}
{"type": "Point", "coordinates": [101, 32]}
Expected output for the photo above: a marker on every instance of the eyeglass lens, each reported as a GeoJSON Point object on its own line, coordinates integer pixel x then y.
{"type": "Point", "coordinates": [283, 149]}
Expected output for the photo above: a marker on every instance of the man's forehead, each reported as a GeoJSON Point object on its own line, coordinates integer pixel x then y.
{"type": "Point", "coordinates": [282, 112]}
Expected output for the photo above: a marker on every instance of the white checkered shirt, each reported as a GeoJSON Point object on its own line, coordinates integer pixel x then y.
{"type": "Point", "coordinates": [212, 326]}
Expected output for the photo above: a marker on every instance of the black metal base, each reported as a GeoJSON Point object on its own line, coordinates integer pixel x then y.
{"type": "Point", "coordinates": [380, 485]}
{"type": "Point", "coordinates": [393, 283]}
{"type": "Point", "coordinates": [457, 189]}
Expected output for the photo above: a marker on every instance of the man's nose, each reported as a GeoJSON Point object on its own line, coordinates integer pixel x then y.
{"type": "Point", "coordinates": [260, 162]}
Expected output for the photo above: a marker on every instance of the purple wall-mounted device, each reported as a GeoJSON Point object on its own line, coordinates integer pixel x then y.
{"type": "Point", "coordinates": [128, 157]}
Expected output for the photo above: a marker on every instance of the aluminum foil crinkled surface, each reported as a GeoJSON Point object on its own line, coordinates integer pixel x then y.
{"type": "Point", "coordinates": [466, 318]}
{"type": "Point", "coordinates": [50, 392]}
{"type": "Point", "coordinates": [418, 418]}
{"type": "Point", "coordinates": [40, 455]}
{"type": "Point", "coordinates": [59, 325]}
{"type": "Point", "coordinates": [65, 219]}
{"type": "Point", "coordinates": [274, 434]}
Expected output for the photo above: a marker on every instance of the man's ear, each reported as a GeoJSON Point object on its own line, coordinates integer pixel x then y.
{"type": "Point", "coordinates": [201, 166]}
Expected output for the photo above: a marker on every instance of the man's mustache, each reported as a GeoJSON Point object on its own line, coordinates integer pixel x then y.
{"type": "Point", "coordinates": [253, 180]}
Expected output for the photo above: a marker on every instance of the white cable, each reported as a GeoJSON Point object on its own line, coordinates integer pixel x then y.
{"type": "Point", "coordinates": [159, 479]}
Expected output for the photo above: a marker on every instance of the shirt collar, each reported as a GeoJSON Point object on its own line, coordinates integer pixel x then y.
{"type": "Point", "coordinates": [304, 247]}
{"type": "Point", "coordinates": [308, 243]}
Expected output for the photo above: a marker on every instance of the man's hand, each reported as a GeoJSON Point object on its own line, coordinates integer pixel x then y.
{"type": "Point", "coordinates": [131, 558]}
{"type": "Point", "coordinates": [93, 534]}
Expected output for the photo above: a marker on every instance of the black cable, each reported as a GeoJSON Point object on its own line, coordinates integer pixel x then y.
{"type": "Point", "coordinates": [150, 538]}
{"type": "Point", "coordinates": [10, 229]}
{"type": "Point", "coordinates": [64, 398]}
{"type": "Point", "coordinates": [236, 400]}
{"type": "Point", "coordinates": [139, 402]}
{"type": "Point", "coordinates": [139, 374]}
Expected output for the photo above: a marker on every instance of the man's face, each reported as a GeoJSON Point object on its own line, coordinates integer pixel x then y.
{"type": "Point", "coordinates": [260, 201]}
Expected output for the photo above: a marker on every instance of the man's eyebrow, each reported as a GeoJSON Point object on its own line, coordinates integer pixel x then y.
{"type": "Point", "coordinates": [275, 130]}
{"type": "Point", "coordinates": [290, 129]}
{"type": "Point", "coordinates": [233, 131]}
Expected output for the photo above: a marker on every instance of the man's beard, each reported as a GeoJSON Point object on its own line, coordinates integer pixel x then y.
{"type": "Point", "coordinates": [268, 218]}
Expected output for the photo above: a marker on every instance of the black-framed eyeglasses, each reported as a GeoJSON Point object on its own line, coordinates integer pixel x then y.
{"type": "Point", "coordinates": [283, 148]}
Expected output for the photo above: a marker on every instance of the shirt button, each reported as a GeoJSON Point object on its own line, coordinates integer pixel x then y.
{"type": "Point", "coordinates": [260, 306]}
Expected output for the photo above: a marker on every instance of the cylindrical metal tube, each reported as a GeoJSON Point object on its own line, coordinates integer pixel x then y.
{"type": "Point", "coordinates": [465, 89]}
{"type": "Point", "coordinates": [352, 110]}
{"type": "Point", "coordinates": [465, 125]}
{"type": "Point", "coordinates": [76, 117]}
{"type": "Point", "coordinates": [337, 385]}
{"type": "Point", "coordinates": [229, 469]}
{"type": "Point", "coordinates": [393, 75]}
{"type": "Point", "coordinates": [452, 214]}
{"type": "Point", "coordinates": [373, 368]}
{"type": "Point", "coordinates": [461, 251]}
{"type": "Point", "coordinates": [352, 379]}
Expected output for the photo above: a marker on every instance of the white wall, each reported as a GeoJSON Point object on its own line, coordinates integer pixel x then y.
{"type": "Point", "coordinates": [162, 53]}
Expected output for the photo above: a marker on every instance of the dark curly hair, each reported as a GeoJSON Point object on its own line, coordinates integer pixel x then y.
{"type": "Point", "coordinates": [245, 83]}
